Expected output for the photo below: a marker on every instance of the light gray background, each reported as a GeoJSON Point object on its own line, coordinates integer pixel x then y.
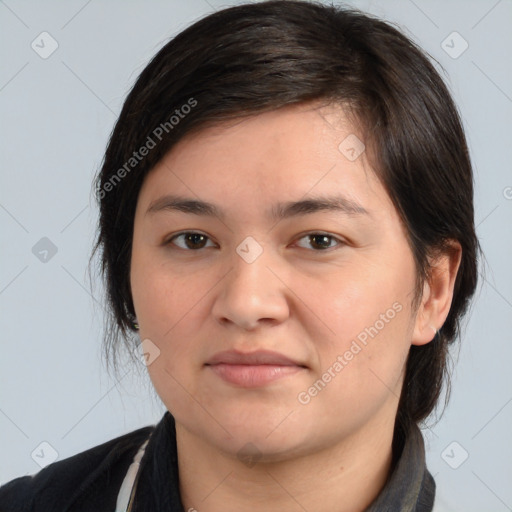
{"type": "Point", "coordinates": [56, 116]}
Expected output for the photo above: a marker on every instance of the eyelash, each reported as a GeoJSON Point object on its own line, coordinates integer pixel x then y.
{"type": "Point", "coordinates": [311, 234]}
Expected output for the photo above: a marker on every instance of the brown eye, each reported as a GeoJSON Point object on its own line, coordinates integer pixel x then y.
{"type": "Point", "coordinates": [190, 240]}
{"type": "Point", "coordinates": [321, 241]}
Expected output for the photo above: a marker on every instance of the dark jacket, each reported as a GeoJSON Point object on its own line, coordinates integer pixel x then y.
{"type": "Point", "coordinates": [90, 481]}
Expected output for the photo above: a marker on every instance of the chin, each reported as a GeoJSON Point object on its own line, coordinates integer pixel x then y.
{"type": "Point", "coordinates": [250, 446]}
{"type": "Point", "coordinates": [270, 432]}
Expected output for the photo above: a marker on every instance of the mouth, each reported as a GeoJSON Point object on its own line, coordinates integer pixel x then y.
{"type": "Point", "coordinates": [253, 369]}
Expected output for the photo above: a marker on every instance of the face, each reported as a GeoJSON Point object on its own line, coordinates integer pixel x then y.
{"type": "Point", "coordinates": [280, 313]}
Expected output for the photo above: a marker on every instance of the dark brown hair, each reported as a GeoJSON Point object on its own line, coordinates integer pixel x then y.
{"type": "Point", "coordinates": [258, 57]}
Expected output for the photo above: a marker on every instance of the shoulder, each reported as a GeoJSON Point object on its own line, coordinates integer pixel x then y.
{"type": "Point", "coordinates": [87, 481]}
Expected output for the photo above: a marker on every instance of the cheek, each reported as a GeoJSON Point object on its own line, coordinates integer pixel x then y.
{"type": "Point", "coordinates": [368, 316]}
{"type": "Point", "coordinates": [360, 297]}
{"type": "Point", "coordinates": [161, 297]}
{"type": "Point", "coordinates": [166, 306]}
{"type": "Point", "coordinates": [359, 374]}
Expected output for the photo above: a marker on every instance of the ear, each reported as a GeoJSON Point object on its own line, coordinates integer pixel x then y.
{"type": "Point", "coordinates": [437, 294]}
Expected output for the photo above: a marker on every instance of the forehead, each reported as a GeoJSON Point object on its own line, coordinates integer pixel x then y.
{"type": "Point", "coordinates": [277, 156]}
{"type": "Point", "coordinates": [297, 133]}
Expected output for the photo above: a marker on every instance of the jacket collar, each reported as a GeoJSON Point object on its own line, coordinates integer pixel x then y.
{"type": "Point", "coordinates": [410, 487]}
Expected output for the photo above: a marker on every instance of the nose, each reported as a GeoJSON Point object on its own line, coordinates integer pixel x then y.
{"type": "Point", "coordinates": [252, 295]}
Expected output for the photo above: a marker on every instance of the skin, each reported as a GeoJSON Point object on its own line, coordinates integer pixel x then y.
{"type": "Point", "coordinates": [308, 303]}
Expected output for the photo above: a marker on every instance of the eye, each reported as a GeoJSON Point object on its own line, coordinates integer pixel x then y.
{"type": "Point", "coordinates": [190, 240]}
{"type": "Point", "coordinates": [321, 241]}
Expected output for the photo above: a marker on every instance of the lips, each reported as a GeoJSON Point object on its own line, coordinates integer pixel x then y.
{"type": "Point", "coordinates": [253, 369]}
{"type": "Point", "coordinates": [252, 358]}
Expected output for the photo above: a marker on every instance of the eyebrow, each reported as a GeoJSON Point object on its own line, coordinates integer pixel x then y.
{"type": "Point", "coordinates": [284, 210]}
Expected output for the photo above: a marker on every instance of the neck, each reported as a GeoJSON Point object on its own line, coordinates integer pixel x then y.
{"type": "Point", "coordinates": [345, 477]}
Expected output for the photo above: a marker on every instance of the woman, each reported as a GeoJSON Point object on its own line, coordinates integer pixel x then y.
{"type": "Point", "coordinates": [287, 228]}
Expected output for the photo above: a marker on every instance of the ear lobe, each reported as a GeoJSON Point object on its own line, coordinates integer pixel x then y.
{"type": "Point", "coordinates": [437, 294]}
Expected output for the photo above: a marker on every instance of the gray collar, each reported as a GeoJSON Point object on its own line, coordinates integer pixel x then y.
{"type": "Point", "coordinates": [410, 487]}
